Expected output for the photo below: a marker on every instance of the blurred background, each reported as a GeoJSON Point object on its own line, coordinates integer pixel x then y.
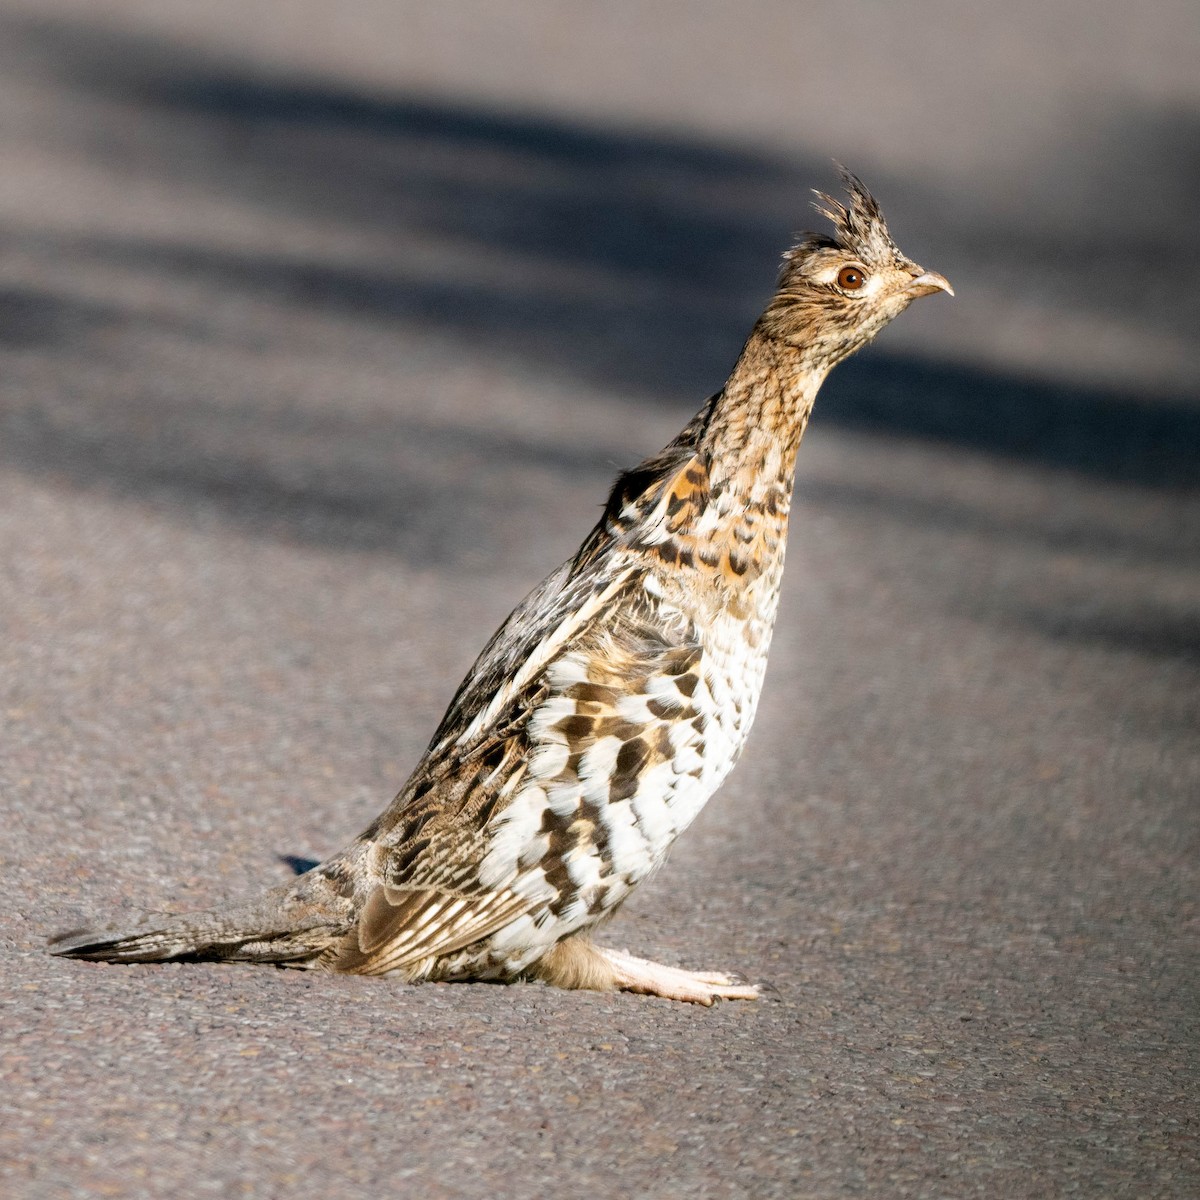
{"type": "Point", "coordinates": [595, 194]}
{"type": "Point", "coordinates": [323, 329]}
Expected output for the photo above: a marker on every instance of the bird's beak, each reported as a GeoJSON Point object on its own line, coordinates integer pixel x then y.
{"type": "Point", "coordinates": [929, 282]}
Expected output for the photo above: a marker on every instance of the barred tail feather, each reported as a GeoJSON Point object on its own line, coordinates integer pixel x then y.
{"type": "Point", "coordinates": [260, 934]}
{"type": "Point", "coordinates": [111, 945]}
{"type": "Point", "coordinates": [168, 945]}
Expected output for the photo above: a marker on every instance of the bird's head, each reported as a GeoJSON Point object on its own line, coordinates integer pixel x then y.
{"type": "Point", "coordinates": [837, 292]}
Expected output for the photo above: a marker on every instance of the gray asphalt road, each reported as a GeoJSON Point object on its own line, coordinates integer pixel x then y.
{"type": "Point", "coordinates": [322, 330]}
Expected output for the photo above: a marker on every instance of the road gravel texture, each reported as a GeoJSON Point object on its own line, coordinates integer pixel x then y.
{"type": "Point", "coordinates": [323, 329]}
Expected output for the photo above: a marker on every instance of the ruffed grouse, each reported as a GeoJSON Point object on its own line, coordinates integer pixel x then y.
{"type": "Point", "coordinates": [606, 709]}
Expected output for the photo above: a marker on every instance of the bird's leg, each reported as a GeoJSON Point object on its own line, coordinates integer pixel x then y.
{"type": "Point", "coordinates": [576, 963]}
{"type": "Point", "coordinates": [673, 983]}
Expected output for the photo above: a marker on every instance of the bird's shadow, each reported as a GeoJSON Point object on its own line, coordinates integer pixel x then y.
{"type": "Point", "coordinates": [298, 865]}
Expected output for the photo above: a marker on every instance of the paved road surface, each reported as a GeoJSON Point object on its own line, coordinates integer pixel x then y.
{"type": "Point", "coordinates": [322, 330]}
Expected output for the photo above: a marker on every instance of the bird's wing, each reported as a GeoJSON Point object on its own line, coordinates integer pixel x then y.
{"type": "Point", "coordinates": [402, 926]}
{"type": "Point", "coordinates": [431, 845]}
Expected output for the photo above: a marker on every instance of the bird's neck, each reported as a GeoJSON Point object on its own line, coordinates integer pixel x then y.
{"type": "Point", "coordinates": [716, 499]}
{"type": "Point", "coordinates": [753, 433]}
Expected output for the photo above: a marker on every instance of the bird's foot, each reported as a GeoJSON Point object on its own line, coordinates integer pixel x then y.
{"type": "Point", "coordinates": [673, 983]}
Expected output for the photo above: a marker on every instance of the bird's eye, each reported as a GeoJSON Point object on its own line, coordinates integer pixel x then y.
{"type": "Point", "coordinates": [850, 279]}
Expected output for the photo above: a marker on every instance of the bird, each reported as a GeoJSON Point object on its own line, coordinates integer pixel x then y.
{"type": "Point", "coordinates": [606, 710]}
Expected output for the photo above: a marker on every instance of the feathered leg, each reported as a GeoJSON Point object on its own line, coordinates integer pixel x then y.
{"type": "Point", "coordinates": [576, 963]}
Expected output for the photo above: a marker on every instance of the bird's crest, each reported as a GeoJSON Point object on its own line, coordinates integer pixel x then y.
{"type": "Point", "coordinates": [859, 227]}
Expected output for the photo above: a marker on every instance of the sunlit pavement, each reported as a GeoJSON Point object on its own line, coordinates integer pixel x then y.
{"type": "Point", "coordinates": [323, 330]}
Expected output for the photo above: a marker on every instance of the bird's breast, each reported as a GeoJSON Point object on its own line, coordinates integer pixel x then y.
{"type": "Point", "coordinates": [632, 739]}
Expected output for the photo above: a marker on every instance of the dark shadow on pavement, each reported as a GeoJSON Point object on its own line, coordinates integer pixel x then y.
{"type": "Point", "coordinates": [298, 865]}
{"type": "Point", "coordinates": [629, 259]}
{"type": "Point", "coordinates": [1152, 631]}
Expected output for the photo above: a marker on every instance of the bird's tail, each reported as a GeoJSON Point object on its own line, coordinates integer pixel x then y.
{"type": "Point", "coordinates": [279, 928]}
